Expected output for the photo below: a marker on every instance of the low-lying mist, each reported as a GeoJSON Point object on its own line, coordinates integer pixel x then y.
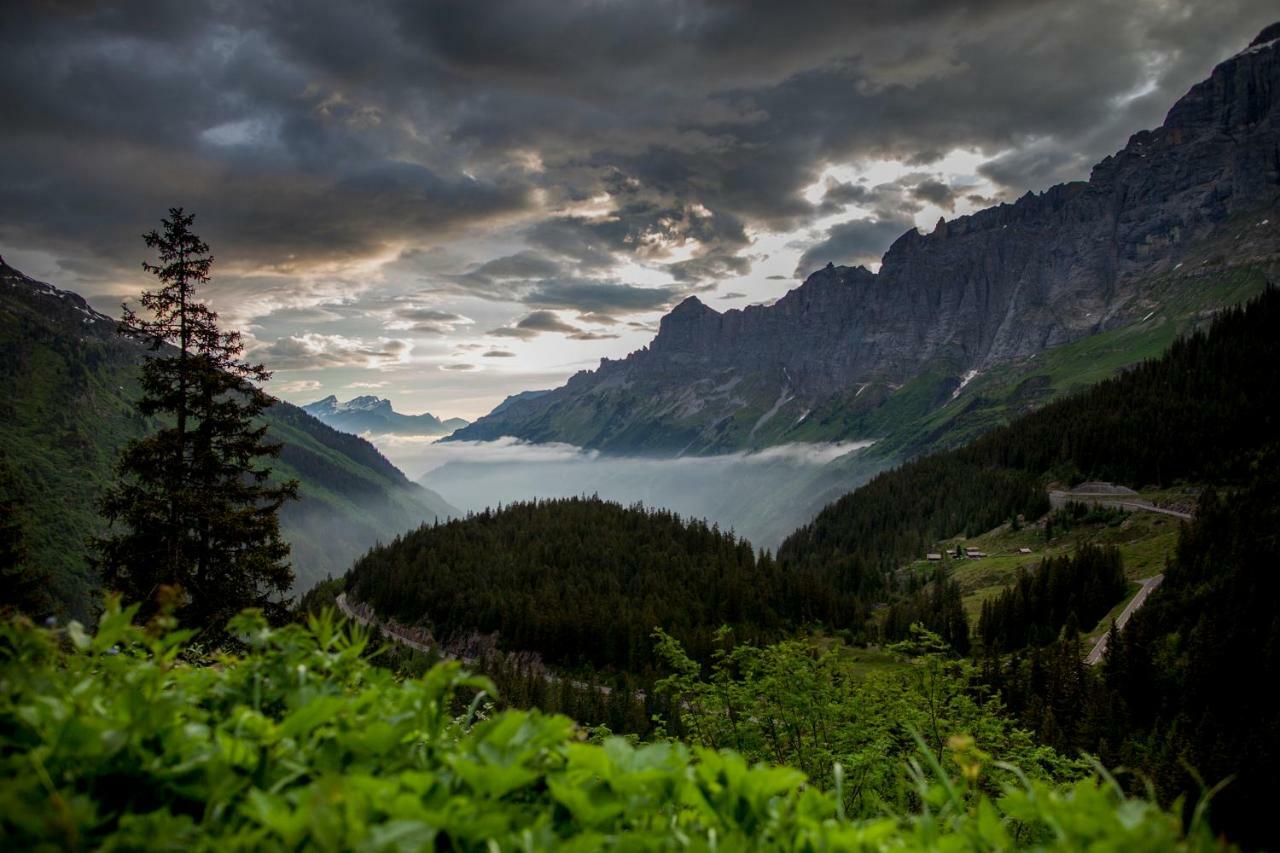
{"type": "Point", "coordinates": [762, 496]}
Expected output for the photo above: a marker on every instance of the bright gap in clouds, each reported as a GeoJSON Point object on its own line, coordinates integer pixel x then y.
{"type": "Point", "coordinates": [468, 365]}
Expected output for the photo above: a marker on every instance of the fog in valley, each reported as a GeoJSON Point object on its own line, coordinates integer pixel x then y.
{"type": "Point", "coordinates": [762, 496]}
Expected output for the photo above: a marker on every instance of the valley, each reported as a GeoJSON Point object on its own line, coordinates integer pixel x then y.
{"type": "Point", "coordinates": [960, 538]}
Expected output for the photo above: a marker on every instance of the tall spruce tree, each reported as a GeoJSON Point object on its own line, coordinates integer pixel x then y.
{"type": "Point", "coordinates": [193, 505]}
{"type": "Point", "coordinates": [23, 586]}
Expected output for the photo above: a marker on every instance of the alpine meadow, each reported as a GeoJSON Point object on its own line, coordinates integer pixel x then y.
{"type": "Point", "coordinates": [682, 425]}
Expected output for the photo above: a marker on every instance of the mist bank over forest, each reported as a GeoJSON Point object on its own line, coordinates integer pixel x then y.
{"type": "Point", "coordinates": [762, 496]}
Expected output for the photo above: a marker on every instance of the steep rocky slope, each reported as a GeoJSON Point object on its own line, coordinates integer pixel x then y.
{"type": "Point", "coordinates": [1180, 208]}
{"type": "Point", "coordinates": [67, 382]}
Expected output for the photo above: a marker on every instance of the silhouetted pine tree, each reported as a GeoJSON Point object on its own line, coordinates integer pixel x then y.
{"type": "Point", "coordinates": [22, 586]}
{"type": "Point", "coordinates": [192, 505]}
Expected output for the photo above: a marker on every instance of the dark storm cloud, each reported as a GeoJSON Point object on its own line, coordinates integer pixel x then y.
{"type": "Point", "coordinates": [935, 192]}
{"type": "Point", "coordinates": [573, 238]}
{"type": "Point", "coordinates": [532, 325]}
{"type": "Point", "coordinates": [603, 297]}
{"type": "Point", "coordinates": [307, 133]}
{"type": "Point", "coordinates": [841, 193]}
{"type": "Point", "coordinates": [430, 321]}
{"type": "Point", "coordinates": [313, 351]}
{"type": "Point", "coordinates": [503, 280]}
{"type": "Point", "coordinates": [861, 241]}
{"type": "Point", "coordinates": [429, 315]}
{"type": "Point", "coordinates": [520, 265]}
{"type": "Point", "coordinates": [585, 335]}
{"type": "Point", "coordinates": [544, 321]}
{"type": "Point", "coordinates": [539, 322]}
{"type": "Point", "coordinates": [598, 318]}
{"type": "Point", "coordinates": [709, 267]}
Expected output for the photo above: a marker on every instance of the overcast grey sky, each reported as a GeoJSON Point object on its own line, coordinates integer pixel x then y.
{"type": "Point", "coordinates": [448, 202]}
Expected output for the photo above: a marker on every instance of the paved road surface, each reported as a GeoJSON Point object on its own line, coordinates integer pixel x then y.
{"type": "Point", "coordinates": [1057, 499]}
{"type": "Point", "coordinates": [396, 634]}
{"type": "Point", "coordinates": [385, 630]}
{"type": "Point", "coordinates": [1100, 648]}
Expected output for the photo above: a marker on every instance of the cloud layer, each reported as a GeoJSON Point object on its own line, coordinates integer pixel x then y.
{"type": "Point", "coordinates": [405, 171]}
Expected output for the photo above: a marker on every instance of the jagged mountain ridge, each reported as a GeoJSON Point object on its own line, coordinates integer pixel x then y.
{"type": "Point", "coordinates": [376, 415]}
{"type": "Point", "coordinates": [982, 290]}
{"type": "Point", "coordinates": [67, 385]}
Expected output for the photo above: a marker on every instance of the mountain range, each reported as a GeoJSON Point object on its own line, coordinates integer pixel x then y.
{"type": "Point", "coordinates": [376, 415]}
{"type": "Point", "coordinates": [1178, 223]}
{"type": "Point", "coordinates": [67, 386]}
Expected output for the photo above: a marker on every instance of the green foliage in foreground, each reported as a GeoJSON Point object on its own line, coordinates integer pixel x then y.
{"type": "Point", "coordinates": [114, 741]}
{"type": "Point", "coordinates": [793, 703]}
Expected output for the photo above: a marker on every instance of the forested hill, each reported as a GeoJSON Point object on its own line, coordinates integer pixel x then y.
{"type": "Point", "coordinates": [581, 581]}
{"type": "Point", "coordinates": [67, 384]}
{"type": "Point", "coordinates": [1202, 412]}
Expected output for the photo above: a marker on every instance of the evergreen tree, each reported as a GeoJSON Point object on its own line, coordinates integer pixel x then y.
{"type": "Point", "coordinates": [193, 506]}
{"type": "Point", "coordinates": [22, 586]}
{"type": "Point", "coordinates": [939, 608]}
{"type": "Point", "coordinates": [1080, 587]}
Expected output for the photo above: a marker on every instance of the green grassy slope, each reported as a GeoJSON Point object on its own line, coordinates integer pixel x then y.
{"type": "Point", "coordinates": [1146, 541]}
{"type": "Point", "coordinates": [67, 383]}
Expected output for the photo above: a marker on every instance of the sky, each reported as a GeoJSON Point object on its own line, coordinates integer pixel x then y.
{"type": "Point", "coordinates": [444, 203]}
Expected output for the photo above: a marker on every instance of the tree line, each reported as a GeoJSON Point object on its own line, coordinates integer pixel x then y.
{"type": "Point", "coordinates": [937, 606]}
{"type": "Point", "coordinates": [1082, 586]}
{"type": "Point", "coordinates": [582, 581]}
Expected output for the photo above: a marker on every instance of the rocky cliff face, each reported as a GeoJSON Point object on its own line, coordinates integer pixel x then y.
{"type": "Point", "coordinates": [1002, 284]}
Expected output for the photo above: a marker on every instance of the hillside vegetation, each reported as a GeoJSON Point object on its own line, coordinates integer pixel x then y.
{"type": "Point", "coordinates": [581, 581]}
{"type": "Point", "coordinates": [112, 741]}
{"type": "Point", "coordinates": [67, 384]}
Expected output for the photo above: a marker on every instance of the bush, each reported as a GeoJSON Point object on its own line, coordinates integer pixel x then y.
{"type": "Point", "coordinates": [124, 739]}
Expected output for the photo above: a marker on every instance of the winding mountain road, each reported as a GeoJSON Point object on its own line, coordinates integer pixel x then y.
{"type": "Point", "coordinates": [397, 634]}
{"type": "Point", "coordinates": [1100, 647]}
{"type": "Point", "coordinates": [1133, 503]}
{"type": "Point", "coordinates": [390, 632]}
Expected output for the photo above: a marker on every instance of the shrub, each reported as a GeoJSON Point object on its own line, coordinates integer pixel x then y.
{"type": "Point", "coordinates": [123, 739]}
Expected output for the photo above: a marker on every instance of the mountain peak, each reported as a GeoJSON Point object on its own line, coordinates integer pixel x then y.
{"type": "Point", "coordinates": [691, 305]}
{"type": "Point", "coordinates": [1268, 35]}
{"type": "Point", "coordinates": [370, 414]}
{"type": "Point", "coordinates": [366, 402]}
